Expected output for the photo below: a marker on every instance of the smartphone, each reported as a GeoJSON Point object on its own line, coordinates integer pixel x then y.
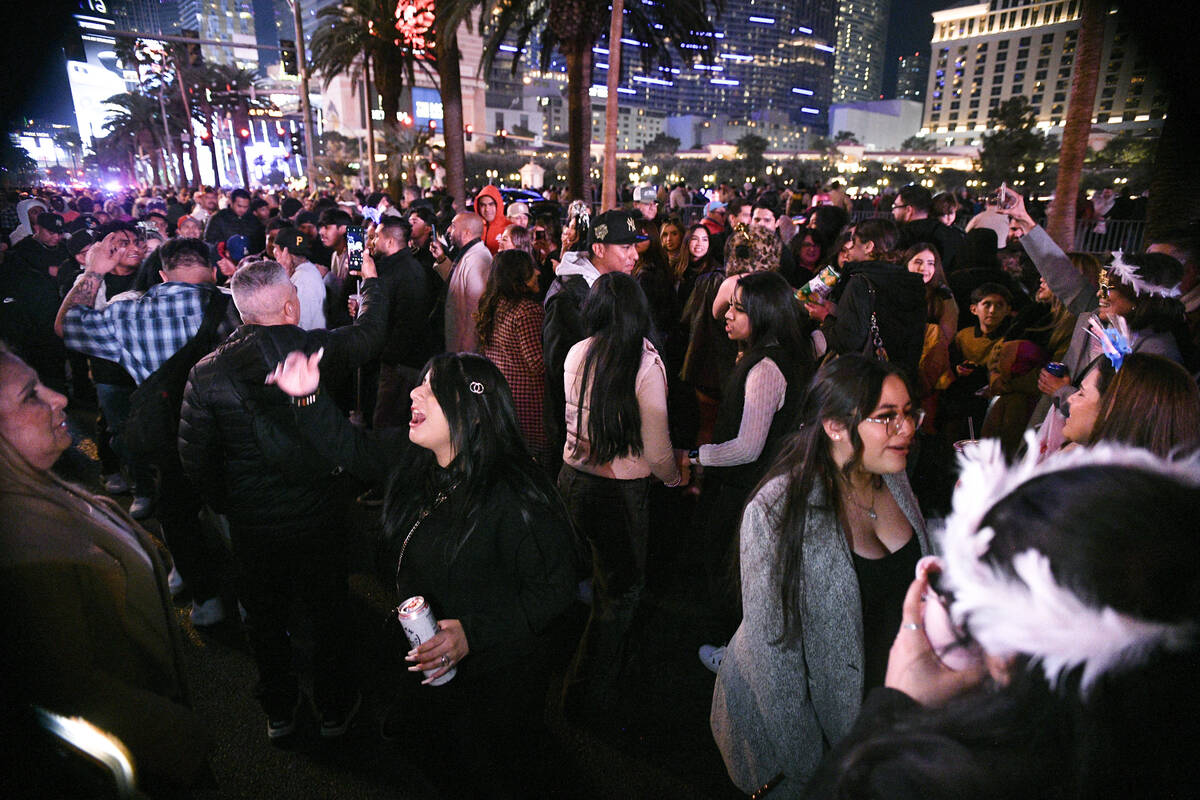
{"type": "Point", "coordinates": [539, 234]}
{"type": "Point", "coordinates": [355, 241]}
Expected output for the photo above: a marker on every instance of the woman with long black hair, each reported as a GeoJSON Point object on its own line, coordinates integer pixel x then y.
{"type": "Point", "coordinates": [829, 544]}
{"type": "Point", "coordinates": [617, 438]}
{"type": "Point", "coordinates": [758, 405]}
{"type": "Point", "coordinates": [474, 526]}
{"type": "Point", "coordinates": [1031, 661]}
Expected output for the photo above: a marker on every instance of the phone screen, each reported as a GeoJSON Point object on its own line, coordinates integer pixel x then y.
{"type": "Point", "coordinates": [355, 241]}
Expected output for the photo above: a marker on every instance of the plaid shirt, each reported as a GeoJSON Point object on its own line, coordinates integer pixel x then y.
{"type": "Point", "coordinates": [140, 334]}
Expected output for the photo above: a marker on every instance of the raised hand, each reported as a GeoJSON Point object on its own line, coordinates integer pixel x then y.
{"type": "Point", "coordinates": [298, 375]}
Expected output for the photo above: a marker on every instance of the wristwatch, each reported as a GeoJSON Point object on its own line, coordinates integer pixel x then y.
{"type": "Point", "coordinates": [694, 456]}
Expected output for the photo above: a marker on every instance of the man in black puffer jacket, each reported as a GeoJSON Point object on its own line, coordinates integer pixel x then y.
{"type": "Point", "coordinates": [237, 220]}
{"type": "Point", "coordinates": [240, 446]}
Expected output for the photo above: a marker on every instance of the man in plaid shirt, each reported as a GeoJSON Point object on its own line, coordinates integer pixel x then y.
{"type": "Point", "coordinates": [141, 334]}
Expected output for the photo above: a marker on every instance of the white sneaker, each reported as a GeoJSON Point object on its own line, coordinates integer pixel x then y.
{"type": "Point", "coordinates": [210, 612]}
{"type": "Point", "coordinates": [116, 484]}
{"type": "Point", "coordinates": [175, 584]}
{"type": "Point", "coordinates": [711, 656]}
{"type": "Point", "coordinates": [141, 507]}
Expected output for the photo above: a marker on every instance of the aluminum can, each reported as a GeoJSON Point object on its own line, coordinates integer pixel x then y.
{"type": "Point", "coordinates": [416, 617]}
{"type": "Point", "coordinates": [1057, 369]}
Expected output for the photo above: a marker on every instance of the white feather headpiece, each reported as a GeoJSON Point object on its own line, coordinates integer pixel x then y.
{"type": "Point", "coordinates": [1128, 274]}
{"type": "Point", "coordinates": [1034, 614]}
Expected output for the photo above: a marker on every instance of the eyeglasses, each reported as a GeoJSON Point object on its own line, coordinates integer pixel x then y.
{"type": "Point", "coordinates": [899, 205]}
{"type": "Point", "coordinates": [894, 421]}
{"type": "Point", "coordinates": [1105, 284]}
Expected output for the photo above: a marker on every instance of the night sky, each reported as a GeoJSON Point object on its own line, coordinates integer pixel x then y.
{"type": "Point", "coordinates": [910, 28]}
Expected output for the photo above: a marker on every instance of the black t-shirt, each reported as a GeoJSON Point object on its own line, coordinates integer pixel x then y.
{"type": "Point", "coordinates": [882, 584]}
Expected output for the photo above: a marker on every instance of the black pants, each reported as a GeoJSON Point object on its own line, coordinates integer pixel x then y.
{"type": "Point", "coordinates": [308, 568]}
{"type": "Point", "coordinates": [612, 516]}
{"type": "Point", "coordinates": [481, 735]}
{"type": "Point", "coordinates": [195, 547]}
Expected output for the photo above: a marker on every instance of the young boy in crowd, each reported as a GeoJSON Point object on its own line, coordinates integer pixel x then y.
{"type": "Point", "coordinates": [965, 394]}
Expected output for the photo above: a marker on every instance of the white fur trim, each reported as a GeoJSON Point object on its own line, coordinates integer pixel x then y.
{"type": "Point", "coordinates": [1129, 275]}
{"type": "Point", "coordinates": [1034, 614]}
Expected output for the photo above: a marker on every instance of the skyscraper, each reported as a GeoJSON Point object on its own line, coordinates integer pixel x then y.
{"type": "Point", "coordinates": [765, 54]}
{"type": "Point", "coordinates": [988, 52]}
{"type": "Point", "coordinates": [911, 76]}
{"type": "Point", "coordinates": [227, 21]}
{"type": "Point", "coordinates": [146, 16]}
{"type": "Point", "coordinates": [862, 27]}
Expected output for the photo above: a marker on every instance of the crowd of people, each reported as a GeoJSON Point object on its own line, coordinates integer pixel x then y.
{"type": "Point", "coordinates": [828, 405]}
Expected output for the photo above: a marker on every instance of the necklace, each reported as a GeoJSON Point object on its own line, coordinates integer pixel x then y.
{"type": "Point", "coordinates": [869, 511]}
{"type": "Point", "coordinates": [421, 515]}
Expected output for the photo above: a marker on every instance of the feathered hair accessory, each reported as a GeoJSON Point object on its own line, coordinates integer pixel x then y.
{"type": "Point", "coordinates": [1033, 613]}
{"type": "Point", "coordinates": [1128, 273]}
{"type": "Point", "coordinates": [1116, 341]}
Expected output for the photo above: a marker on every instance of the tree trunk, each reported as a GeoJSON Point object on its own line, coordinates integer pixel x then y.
{"type": "Point", "coordinates": [579, 120]}
{"type": "Point", "coordinates": [179, 161]}
{"type": "Point", "coordinates": [212, 151]}
{"type": "Point", "coordinates": [368, 97]}
{"type": "Point", "coordinates": [1060, 223]}
{"type": "Point", "coordinates": [450, 78]}
{"type": "Point", "coordinates": [1173, 196]}
{"type": "Point", "coordinates": [608, 198]}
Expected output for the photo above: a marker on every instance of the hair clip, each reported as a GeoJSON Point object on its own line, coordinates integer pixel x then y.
{"type": "Point", "coordinates": [476, 387]}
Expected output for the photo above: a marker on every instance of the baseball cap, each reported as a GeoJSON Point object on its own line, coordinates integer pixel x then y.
{"type": "Point", "coordinates": [615, 227]}
{"type": "Point", "coordinates": [293, 241]}
{"type": "Point", "coordinates": [50, 221]}
{"type": "Point", "coordinates": [236, 247]}
{"type": "Point", "coordinates": [713, 205]}
{"type": "Point", "coordinates": [645, 194]}
{"type": "Point", "coordinates": [80, 241]}
{"type": "Point", "coordinates": [517, 208]}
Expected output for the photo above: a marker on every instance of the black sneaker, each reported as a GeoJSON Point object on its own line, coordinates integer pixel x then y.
{"type": "Point", "coordinates": [336, 724]}
{"type": "Point", "coordinates": [284, 726]}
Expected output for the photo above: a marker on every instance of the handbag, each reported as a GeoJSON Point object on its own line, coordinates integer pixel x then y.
{"type": "Point", "coordinates": [874, 347]}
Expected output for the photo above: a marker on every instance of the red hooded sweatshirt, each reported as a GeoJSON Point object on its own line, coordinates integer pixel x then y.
{"type": "Point", "coordinates": [491, 230]}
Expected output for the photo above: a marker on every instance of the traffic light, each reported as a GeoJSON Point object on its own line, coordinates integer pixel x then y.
{"type": "Point", "coordinates": [244, 132]}
{"type": "Point", "coordinates": [298, 143]}
{"type": "Point", "coordinates": [468, 131]}
{"type": "Point", "coordinates": [433, 126]}
{"type": "Point", "coordinates": [194, 56]}
{"type": "Point", "coordinates": [287, 57]}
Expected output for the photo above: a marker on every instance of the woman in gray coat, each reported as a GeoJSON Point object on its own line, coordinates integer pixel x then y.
{"type": "Point", "coordinates": [829, 545]}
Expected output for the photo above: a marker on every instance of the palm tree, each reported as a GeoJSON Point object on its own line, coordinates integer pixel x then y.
{"type": "Point", "coordinates": [1060, 222]}
{"type": "Point", "coordinates": [230, 96]}
{"type": "Point", "coordinates": [573, 28]}
{"type": "Point", "coordinates": [136, 118]}
{"type": "Point", "coordinates": [358, 32]}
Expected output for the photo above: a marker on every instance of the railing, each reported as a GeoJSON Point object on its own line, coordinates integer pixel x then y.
{"type": "Point", "coordinates": [1104, 236]}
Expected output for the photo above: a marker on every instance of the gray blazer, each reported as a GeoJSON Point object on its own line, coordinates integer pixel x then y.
{"type": "Point", "coordinates": [777, 709]}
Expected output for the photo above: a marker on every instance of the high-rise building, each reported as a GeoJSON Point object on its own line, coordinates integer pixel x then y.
{"type": "Point", "coordinates": [227, 21]}
{"type": "Point", "coordinates": [146, 16]}
{"type": "Point", "coordinates": [862, 27]}
{"type": "Point", "coordinates": [911, 76]}
{"type": "Point", "coordinates": [765, 54]}
{"type": "Point", "coordinates": [986, 53]}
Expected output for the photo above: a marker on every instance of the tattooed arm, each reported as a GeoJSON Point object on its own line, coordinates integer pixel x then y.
{"type": "Point", "coordinates": [102, 258]}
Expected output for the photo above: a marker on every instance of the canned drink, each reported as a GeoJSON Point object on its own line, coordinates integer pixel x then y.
{"type": "Point", "coordinates": [1057, 369]}
{"type": "Point", "coordinates": [416, 617]}
{"type": "Point", "coordinates": [819, 287]}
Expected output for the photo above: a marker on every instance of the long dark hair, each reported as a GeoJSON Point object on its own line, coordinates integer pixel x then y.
{"type": "Point", "coordinates": [1134, 733]}
{"type": "Point", "coordinates": [508, 280]}
{"type": "Point", "coordinates": [845, 390]}
{"type": "Point", "coordinates": [488, 446]}
{"type": "Point", "coordinates": [617, 318]}
{"type": "Point", "coordinates": [770, 304]}
{"type": "Point", "coordinates": [936, 289]}
{"type": "Point", "coordinates": [1159, 314]}
{"type": "Point", "coordinates": [683, 260]}
{"type": "Point", "coordinates": [1152, 402]}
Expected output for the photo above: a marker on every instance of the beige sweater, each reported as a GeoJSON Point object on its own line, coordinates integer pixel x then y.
{"type": "Point", "coordinates": [658, 457]}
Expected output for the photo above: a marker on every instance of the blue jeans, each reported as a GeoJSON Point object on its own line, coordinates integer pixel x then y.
{"type": "Point", "coordinates": [612, 517]}
{"type": "Point", "coordinates": [114, 406]}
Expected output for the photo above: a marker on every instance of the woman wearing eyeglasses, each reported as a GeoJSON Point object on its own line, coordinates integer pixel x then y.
{"type": "Point", "coordinates": [829, 544]}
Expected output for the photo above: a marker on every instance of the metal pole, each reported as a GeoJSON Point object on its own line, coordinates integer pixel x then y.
{"type": "Point", "coordinates": [305, 108]}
